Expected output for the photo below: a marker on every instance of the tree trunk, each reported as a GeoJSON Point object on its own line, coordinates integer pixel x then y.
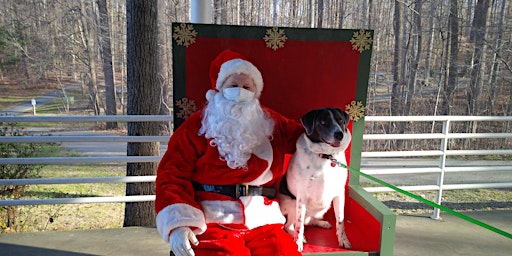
{"type": "Point", "coordinates": [430, 43]}
{"type": "Point", "coordinates": [342, 14]}
{"type": "Point", "coordinates": [90, 51]}
{"type": "Point", "coordinates": [106, 57]}
{"type": "Point", "coordinates": [477, 37]}
{"type": "Point", "coordinates": [416, 53]}
{"type": "Point", "coordinates": [165, 66]}
{"type": "Point", "coordinates": [320, 13]}
{"type": "Point", "coordinates": [495, 63]}
{"type": "Point", "coordinates": [452, 61]}
{"type": "Point", "coordinates": [397, 66]}
{"type": "Point", "coordinates": [216, 11]}
{"type": "Point", "coordinates": [143, 99]}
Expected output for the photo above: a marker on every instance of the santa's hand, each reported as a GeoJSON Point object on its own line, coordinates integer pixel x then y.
{"type": "Point", "coordinates": [180, 240]}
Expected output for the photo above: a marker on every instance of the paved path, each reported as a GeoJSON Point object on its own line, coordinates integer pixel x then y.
{"type": "Point", "coordinates": [40, 101]}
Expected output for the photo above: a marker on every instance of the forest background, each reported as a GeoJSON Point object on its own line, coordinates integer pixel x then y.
{"type": "Point", "coordinates": [430, 57]}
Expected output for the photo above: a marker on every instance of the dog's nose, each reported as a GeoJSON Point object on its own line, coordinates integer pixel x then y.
{"type": "Point", "coordinates": [338, 135]}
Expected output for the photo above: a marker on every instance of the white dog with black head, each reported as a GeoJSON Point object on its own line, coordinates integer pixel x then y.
{"type": "Point", "coordinates": [314, 180]}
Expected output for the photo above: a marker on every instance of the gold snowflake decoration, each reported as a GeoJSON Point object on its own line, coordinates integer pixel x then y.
{"type": "Point", "coordinates": [355, 110]}
{"type": "Point", "coordinates": [362, 40]}
{"type": "Point", "coordinates": [187, 108]}
{"type": "Point", "coordinates": [184, 34]}
{"type": "Point", "coordinates": [275, 38]}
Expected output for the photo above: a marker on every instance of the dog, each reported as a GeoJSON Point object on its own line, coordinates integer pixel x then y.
{"type": "Point", "coordinates": [313, 180]}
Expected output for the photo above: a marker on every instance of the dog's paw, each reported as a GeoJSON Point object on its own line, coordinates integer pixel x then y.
{"type": "Point", "coordinates": [300, 241]}
{"type": "Point", "coordinates": [342, 236]}
{"type": "Point", "coordinates": [300, 245]}
{"type": "Point", "coordinates": [343, 242]}
{"type": "Point", "coordinates": [322, 223]}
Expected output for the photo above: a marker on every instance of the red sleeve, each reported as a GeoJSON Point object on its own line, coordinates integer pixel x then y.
{"type": "Point", "coordinates": [175, 171]}
{"type": "Point", "coordinates": [286, 131]}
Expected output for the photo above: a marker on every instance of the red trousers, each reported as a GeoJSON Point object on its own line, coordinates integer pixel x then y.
{"type": "Point", "coordinates": [268, 240]}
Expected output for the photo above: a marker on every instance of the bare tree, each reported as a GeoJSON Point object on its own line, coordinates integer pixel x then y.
{"type": "Point", "coordinates": [430, 42]}
{"type": "Point", "coordinates": [397, 65]}
{"type": "Point", "coordinates": [415, 56]}
{"type": "Point", "coordinates": [143, 99]}
{"type": "Point", "coordinates": [320, 13]}
{"type": "Point", "coordinates": [496, 54]}
{"type": "Point", "coordinates": [90, 49]}
{"type": "Point", "coordinates": [477, 38]}
{"type": "Point", "coordinates": [106, 57]}
{"type": "Point", "coordinates": [452, 61]}
{"type": "Point", "coordinates": [164, 62]}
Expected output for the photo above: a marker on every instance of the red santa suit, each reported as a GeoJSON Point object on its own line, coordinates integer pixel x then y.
{"type": "Point", "coordinates": [191, 159]}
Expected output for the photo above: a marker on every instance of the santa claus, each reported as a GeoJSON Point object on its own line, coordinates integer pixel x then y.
{"type": "Point", "coordinates": [217, 183]}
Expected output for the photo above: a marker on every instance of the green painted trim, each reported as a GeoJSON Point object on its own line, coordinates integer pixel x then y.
{"type": "Point", "coordinates": [256, 32]}
{"type": "Point", "coordinates": [179, 83]}
{"type": "Point", "coordinates": [361, 95]}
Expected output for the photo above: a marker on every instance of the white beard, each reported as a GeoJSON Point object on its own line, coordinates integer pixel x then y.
{"type": "Point", "coordinates": [236, 128]}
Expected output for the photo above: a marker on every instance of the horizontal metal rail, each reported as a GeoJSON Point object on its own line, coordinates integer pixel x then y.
{"type": "Point", "coordinates": [445, 187]}
{"type": "Point", "coordinates": [67, 119]}
{"type": "Point", "coordinates": [52, 181]}
{"type": "Point", "coordinates": [85, 159]}
{"type": "Point", "coordinates": [79, 200]}
{"type": "Point", "coordinates": [410, 170]}
{"type": "Point", "coordinates": [435, 118]}
{"type": "Point", "coordinates": [372, 169]}
{"type": "Point", "coordinates": [75, 138]}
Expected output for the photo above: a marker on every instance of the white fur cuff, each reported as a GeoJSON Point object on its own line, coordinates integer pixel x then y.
{"type": "Point", "coordinates": [179, 215]}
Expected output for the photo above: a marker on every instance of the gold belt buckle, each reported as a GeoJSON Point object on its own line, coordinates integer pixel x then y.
{"type": "Point", "coordinates": [245, 192]}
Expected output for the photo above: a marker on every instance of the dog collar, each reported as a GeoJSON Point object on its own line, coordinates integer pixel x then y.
{"type": "Point", "coordinates": [330, 157]}
{"type": "Point", "coordinates": [325, 156]}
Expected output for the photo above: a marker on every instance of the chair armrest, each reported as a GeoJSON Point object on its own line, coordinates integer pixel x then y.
{"type": "Point", "coordinates": [381, 212]}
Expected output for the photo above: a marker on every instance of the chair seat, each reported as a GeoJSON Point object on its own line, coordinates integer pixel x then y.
{"type": "Point", "coordinates": [363, 231]}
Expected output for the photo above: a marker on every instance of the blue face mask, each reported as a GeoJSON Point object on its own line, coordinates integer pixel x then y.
{"type": "Point", "coordinates": [237, 94]}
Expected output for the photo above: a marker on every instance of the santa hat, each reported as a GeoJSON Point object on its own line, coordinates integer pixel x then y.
{"type": "Point", "coordinates": [228, 63]}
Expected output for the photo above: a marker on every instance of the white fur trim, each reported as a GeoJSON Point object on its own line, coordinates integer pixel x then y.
{"type": "Point", "coordinates": [237, 66]}
{"type": "Point", "coordinates": [223, 211]}
{"type": "Point", "coordinates": [257, 213]}
{"type": "Point", "coordinates": [249, 210]}
{"type": "Point", "coordinates": [210, 94]}
{"type": "Point", "coordinates": [179, 215]}
{"type": "Point", "coordinates": [264, 151]}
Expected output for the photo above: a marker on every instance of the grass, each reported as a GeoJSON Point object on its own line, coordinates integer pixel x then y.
{"type": "Point", "coordinates": [73, 216]}
{"type": "Point", "coordinates": [69, 216]}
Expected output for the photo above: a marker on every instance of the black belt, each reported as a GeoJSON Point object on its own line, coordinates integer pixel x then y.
{"type": "Point", "coordinates": [238, 190]}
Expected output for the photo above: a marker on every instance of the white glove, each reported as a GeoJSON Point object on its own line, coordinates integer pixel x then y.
{"type": "Point", "coordinates": [180, 240]}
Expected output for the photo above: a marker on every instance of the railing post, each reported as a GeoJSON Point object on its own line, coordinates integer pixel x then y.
{"type": "Point", "coordinates": [201, 11]}
{"type": "Point", "coordinates": [442, 166]}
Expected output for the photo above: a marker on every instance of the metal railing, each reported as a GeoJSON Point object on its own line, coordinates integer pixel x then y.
{"type": "Point", "coordinates": [442, 139]}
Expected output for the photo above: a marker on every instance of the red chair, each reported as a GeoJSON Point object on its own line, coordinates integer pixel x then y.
{"type": "Point", "coordinates": [303, 69]}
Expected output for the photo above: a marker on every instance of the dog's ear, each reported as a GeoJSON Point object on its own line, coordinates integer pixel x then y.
{"type": "Point", "coordinates": [308, 121]}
